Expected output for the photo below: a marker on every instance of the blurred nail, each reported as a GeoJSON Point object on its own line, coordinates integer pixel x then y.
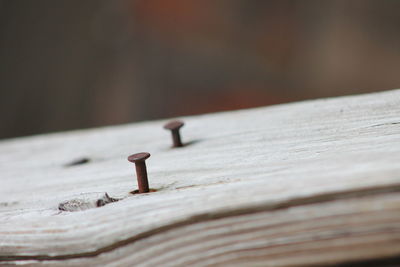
{"type": "Point", "coordinates": [174, 127]}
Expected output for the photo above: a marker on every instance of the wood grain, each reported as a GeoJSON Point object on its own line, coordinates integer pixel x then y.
{"type": "Point", "coordinates": [309, 183]}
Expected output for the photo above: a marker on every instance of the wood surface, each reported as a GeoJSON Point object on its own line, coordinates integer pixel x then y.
{"type": "Point", "coordinates": [302, 184]}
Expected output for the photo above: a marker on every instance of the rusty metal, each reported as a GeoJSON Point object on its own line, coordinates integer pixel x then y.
{"type": "Point", "coordinates": [174, 127]}
{"type": "Point", "coordinates": [141, 171]}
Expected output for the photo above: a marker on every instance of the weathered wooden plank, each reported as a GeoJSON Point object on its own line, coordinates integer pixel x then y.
{"type": "Point", "coordinates": [296, 184]}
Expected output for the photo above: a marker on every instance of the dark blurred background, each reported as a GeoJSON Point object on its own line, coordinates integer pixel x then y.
{"type": "Point", "coordinates": [72, 64]}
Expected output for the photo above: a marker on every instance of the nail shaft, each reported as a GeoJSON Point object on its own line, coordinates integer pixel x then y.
{"type": "Point", "coordinates": [141, 173]}
{"type": "Point", "coordinates": [176, 138]}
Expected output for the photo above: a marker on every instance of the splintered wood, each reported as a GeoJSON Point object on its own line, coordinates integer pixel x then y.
{"type": "Point", "coordinates": [302, 184]}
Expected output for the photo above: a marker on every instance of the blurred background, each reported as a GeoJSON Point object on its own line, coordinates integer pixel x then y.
{"type": "Point", "coordinates": [72, 64]}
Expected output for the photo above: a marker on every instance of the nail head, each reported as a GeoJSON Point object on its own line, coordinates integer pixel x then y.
{"type": "Point", "coordinates": [139, 157]}
{"type": "Point", "coordinates": [174, 125]}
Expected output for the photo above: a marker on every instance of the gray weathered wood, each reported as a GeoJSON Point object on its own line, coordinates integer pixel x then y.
{"type": "Point", "coordinates": [306, 183]}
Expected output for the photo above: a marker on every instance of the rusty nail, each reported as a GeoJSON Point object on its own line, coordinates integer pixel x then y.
{"type": "Point", "coordinates": [141, 171]}
{"type": "Point", "coordinates": [174, 127]}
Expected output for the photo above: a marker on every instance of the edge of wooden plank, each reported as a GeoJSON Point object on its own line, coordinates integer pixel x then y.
{"type": "Point", "coordinates": [321, 198]}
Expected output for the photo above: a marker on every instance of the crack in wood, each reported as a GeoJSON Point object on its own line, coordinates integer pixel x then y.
{"type": "Point", "coordinates": [78, 162]}
{"type": "Point", "coordinates": [383, 124]}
